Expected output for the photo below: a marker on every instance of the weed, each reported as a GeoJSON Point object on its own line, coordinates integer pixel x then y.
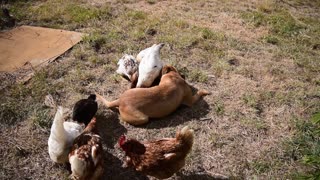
{"type": "Point", "coordinates": [250, 100]}
{"type": "Point", "coordinates": [207, 33]}
{"type": "Point", "coordinates": [108, 67]}
{"type": "Point", "coordinates": [96, 40]}
{"type": "Point", "coordinates": [255, 123]}
{"type": "Point", "coordinates": [305, 146]}
{"type": "Point", "coordinates": [137, 15]}
{"type": "Point", "coordinates": [198, 76]}
{"type": "Point", "coordinates": [271, 39]}
{"type": "Point", "coordinates": [219, 108]}
{"type": "Point", "coordinates": [151, 1]}
{"type": "Point", "coordinates": [116, 78]}
{"type": "Point", "coordinates": [280, 21]}
{"type": "Point", "coordinates": [57, 13]}
{"type": "Point", "coordinates": [8, 112]}
{"type": "Point", "coordinates": [40, 117]}
{"type": "Point", "coordinates": [96, 60]}
{"type": "Point", "coordinates": [260, 166]}
{"type": "Point", "coordinates": [256, 17]}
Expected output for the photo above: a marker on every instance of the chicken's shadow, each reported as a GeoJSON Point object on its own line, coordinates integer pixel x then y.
{"type": "Point", "coordinates": [110, 130]}
{"type": "Point", "coordinates": [109, 127]}
{"type": "Point", "coordinates": [114, 170]}
{"type": "Point", "coordinates": [199, 177]}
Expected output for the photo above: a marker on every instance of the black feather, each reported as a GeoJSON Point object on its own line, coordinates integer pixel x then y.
{"type": "Point", "coordinates": [85, 109]}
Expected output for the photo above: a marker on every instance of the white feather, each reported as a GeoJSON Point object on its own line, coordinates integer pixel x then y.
{"type": "Point", "coordinates": [62, 136]}
{"type": "Point", "coordinates": [150, 66]}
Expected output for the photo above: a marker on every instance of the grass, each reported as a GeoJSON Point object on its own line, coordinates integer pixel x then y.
{"type": "Point", "coordinates": [290, 33]}
{"type": "Point", "coordinates": [265, 88]}
{"type": "Point", "coordinates": [305, 146]}
{"type": "Point", "coordinates": [58, 13]}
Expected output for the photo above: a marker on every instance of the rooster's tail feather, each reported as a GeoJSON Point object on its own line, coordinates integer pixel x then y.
{"type": "Point", "coordinates": [186, 136]}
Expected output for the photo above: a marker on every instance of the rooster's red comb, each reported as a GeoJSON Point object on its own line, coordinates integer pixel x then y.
{"type": "Point", "coordinates": [122, 139]}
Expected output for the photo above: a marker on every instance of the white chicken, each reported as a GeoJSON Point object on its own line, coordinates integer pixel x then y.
{"type": "Point", "coordinates": [127, 66]}
{"type": "Point", "coordinates": [150, 66]}
{"type": "Point", "coordinates": [86, 156]}
{"type": "Point", "coordinates": [61, 137]}
{"type": "Point", "coordinates": [143, 53]}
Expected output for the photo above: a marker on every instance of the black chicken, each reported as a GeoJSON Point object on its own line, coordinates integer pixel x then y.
{"type": "Point", "coordinates": [6, 20]}
{"type": "Point", "coordinates": [85, 109]}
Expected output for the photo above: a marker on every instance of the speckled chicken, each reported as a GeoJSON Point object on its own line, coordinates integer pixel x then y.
{"type": "Point", "coordinates": [86, 156]}
{"type": "Point", "coordinates": [160, 158]}
{"type": "Point", "coordinates": [85, 109]}
{"type": "Point", "coordinates": [61, 137]}
{"type": "Point", "coordinates": [127, 66]}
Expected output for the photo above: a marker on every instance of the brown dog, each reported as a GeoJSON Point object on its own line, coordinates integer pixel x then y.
{"type": "Point", "coordinates": [137, 105]}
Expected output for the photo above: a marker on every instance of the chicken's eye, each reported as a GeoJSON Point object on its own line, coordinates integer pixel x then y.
{"type": "Point", "coordinates": [154, 66]}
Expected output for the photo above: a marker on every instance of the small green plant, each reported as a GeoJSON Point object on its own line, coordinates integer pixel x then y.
{"type": "Point", "coordinates": [96, 60]}
{"type": "Point", "coordinates": [271, 40]}
{"type": "Point", "coordinates": [151, 1]}
{"type": "Point", "coordinates": [96, 40]}
{"type": "Point", "coordinates": [219, 108]}
{"type": "Point", "coordinates": [250, 100]}
{"type": "Point", "coordinates": [280, 21]}
{"type": "Point", "coordinates": [256, 18]}
{"type": "Point", "coordinates": [40, 117]}
{"type": "Point", "coordinates": [8, 112]}
{"type": "Point", "coordinates": [305, 146]}
{"type": "Point", "coordinates": [197, 75]}
{"type": "Point", "coordinates": [137, 15]}
{"type": "Point", "coordinates": [260, 166]}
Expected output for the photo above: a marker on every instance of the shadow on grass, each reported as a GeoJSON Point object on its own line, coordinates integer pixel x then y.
{"type": "Point", "coordinates": [110, 130]}
{"type": "Point", "coordinates": [181, 115]}
{"type": "Point", "coordinates": [199, 177]}
{"type": "Point", "coordinates": [114, 170]}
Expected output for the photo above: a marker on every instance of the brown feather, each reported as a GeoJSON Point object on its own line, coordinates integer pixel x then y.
{"type": "Point", "coordinates": [159, 158]}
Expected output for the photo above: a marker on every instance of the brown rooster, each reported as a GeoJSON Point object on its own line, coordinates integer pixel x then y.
{"type": "Point", "coordinates": [86, 156]}
{"type": "Point", "coordinates": [160, 158]}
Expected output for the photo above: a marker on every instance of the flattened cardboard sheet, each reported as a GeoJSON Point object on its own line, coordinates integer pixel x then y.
{"type": "Point", "coordinates": [33, 45]}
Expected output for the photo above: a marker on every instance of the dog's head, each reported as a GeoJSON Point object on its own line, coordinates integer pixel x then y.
{"type": "Point", "coordinates": [166, 69]}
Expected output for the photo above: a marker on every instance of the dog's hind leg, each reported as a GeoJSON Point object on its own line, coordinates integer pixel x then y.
{"type": "Point", "coordinates": [189, 100]}
{"type": "Point", "coordinates": [114, 103]}
{"type": "Point", "coordinates": [133, 117]}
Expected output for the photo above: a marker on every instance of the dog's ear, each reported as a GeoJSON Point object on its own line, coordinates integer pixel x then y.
{"type": "Point", "coordinates": [166, 69]}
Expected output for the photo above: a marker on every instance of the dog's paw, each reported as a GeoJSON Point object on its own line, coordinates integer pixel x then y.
{"type": "Point", "coordinates": [204, 92]}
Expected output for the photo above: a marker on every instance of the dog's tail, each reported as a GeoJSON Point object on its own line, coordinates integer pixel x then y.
{"type": "Point", "coordinates": [111, 104]}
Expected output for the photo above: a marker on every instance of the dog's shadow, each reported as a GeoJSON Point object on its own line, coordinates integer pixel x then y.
{"type": "Point", "coordinates": [183, 114]}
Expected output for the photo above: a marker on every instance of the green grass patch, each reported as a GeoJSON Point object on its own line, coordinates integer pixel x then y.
{"type": "Point", "coordinates": [297, 37]}
{"type": "Point", "coordinates": [271, 39]}
{"type": "Point", "coordinates": [255, 123]}
{"type": "Point", "coordinates": [261, 167]}
{"type": "Point", "coordinates": [58, 13]}
{"type": "Point", "coordinates": [11, 111]}
{"type": "Point", "coordinates": [198, 76]}
{"type": "Point", "coordinates": [219, 108]}
{"type": "Point", "coordinates": [41, 117]}
{"type": "Point", "coordinates": [280, 21]}
{"type": "Point", "coordinates": [305, 146]}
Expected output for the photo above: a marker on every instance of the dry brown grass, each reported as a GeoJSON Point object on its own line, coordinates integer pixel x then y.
{"type": "Point", "coordinates": [261, 83]}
